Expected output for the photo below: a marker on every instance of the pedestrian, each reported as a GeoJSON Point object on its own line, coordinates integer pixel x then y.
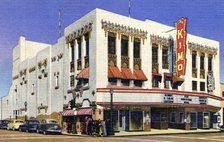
{"type": "Point", "coordinates": [104, 128]}
{"type": "Point", "coordinates": [97, 125]}
{"type": "Point", "coordinates": [86, 125]}
{"type": "Point", "coordinates": [101, 128]}
{"type": "Point", "coordinates": [90, 126]}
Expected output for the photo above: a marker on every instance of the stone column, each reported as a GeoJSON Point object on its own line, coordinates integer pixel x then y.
{"type": "Point", "coordinates": [83, 54]}
{"type": "Point", "coordinates": [131, 56]}
{"type": "Point", "coordinates": [118, 53]}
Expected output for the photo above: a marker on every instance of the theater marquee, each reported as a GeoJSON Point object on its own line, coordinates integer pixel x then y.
{"type": "Point", "coordinates": [181, 39]}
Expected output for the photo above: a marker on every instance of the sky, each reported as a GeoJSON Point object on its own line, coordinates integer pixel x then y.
{"type": "Point", "coordinates": [37, 20]}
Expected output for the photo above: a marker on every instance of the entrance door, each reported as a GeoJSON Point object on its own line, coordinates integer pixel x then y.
{"type": "Point", "coordinates": [124, 120]}
{"type": "Point", "coordinates": [193, 118]}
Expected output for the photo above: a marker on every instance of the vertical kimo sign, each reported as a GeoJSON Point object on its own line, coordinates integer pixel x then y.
{"type": "Point", "coordinates": [181, 38]}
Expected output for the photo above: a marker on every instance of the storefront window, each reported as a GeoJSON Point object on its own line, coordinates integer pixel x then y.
{"type": "Point", "coordinates": [181, 120]}
{"type": "Point", "coordinates": [155, 82]}
{"type": "Point", "coordinates": [173, 117]}
{"type": "Point", "coordinates": [167, 84]}
{"type": "Point", "coordinates": [136, 120]}
{"type": "Point", "coordinates": [138, 83]}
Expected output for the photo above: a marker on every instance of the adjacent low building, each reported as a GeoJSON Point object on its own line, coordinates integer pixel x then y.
{"type": "Point", "coordinates": [104, 55]}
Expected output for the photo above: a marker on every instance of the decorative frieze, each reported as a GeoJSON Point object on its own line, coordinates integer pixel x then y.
{"type": "Point", "coordinates": [112, 59]}
{"type": "Point", "coordinates": [15, 77]}
{"type": "Point", "coordinates": [75, 34]}
{"type": "Point", "coordinates": [159, 40]}
{"type": "Point", "coordinates": [57, 57]}
{"type": "Point", "coordinates": [202, 48]}
{"type": "Point", "coordinates": [125, 30]}
{"type": "Point", "coordinates": [32, 69]}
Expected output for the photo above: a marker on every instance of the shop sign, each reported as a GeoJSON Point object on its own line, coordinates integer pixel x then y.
{"type": "Point", "coordinates": [168, 98]}
{"type": "Point", "coordinates": [181, 38]}
{"type": "Point", "coordinates": [210, 82]}
{"type": "Point", "coordinates": [202, 100]}
{"type": "Point", "coordinates": [186, 99]}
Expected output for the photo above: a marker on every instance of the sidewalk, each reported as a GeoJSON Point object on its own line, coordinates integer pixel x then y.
{"type": "Point", "coordinates": [155, 132]}
{"type": "Point", "coordinates": [164, 132]}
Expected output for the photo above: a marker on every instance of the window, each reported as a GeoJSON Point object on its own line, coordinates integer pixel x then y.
{"type": "Point", "coordinates": [87, 43]}
{"type": "Point", "coordinates": [112, 81]}
{"type": "Point", "coordinates": [194, 57]}
{"type": "Point", "coordinates": [167, 84]}
{"type": "Point", "coordinates": [72, 51]}
{"type": "Point", "coordinates": [111, 43]}
{"type": "Point", "coordinates": [124, 45]}
{"type": "Point", "coordinates": [155, 82]}
{"type": "Point", "coordinates": [194, 85]}
{"type": "Point", "coordinates": [210, 63]}
{"type": "Point", "coordinates": [155, 53]}
{"type": "Point", "coordinates": [202, 61]}
{"type": "Point", "coordinates": [79, 48]}
{"type": "Point", "coordinates": [173, 117]}
{"type": "Point", "coordinates": [57, 81]}
{"type": "Point", "coordinates": [181, 120]}
{"type": "Point", "coordinates": [165, 58]}
{"type": "Point", "coordinates": [202, 86]}
{"type": "Point", "coordinates": [138, 83]}
{"type": "Point", "coordinates": [125, 82]}
{"type": "Point", "coordinates": [137, 48]}
{"type": "Point", "coordinates": [72, 81]}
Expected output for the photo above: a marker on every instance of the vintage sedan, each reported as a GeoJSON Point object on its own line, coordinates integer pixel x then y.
{"type": "Point", "coordinates": [29, 125]}
{"type": "Point", "coordinates": [49, 128]}
{"type": "Point", "coordinates": [14, 124]}
{"type": "Point", "coordinates": [4, 124]}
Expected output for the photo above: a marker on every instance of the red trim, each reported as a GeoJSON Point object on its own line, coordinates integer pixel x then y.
{"type": "Point", "coordinates": [114, 72]}
{"type": "Point", "coordinates": [139, 75]}
{"type": "Point", "coordinates": [85, 111]}
{"type": "Point", "coordinates": [151, 104]}
{"type": "Point", "coordinates": [167, 76]}
{"type": "Point", "coordinates": [158, 91]}
{"type": "Point", "coordinates": [68, 113]}
{"type": "Point", "coordinates": [84, 74]}
{"type": "Point", "coordinates": [127, 74]}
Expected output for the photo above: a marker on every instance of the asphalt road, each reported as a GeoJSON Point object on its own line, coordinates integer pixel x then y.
{"type": "Point", "coordinates": [14, 136]}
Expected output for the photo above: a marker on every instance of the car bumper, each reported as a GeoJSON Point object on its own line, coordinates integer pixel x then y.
{"type": "Point", "coordinates": [54, 131]}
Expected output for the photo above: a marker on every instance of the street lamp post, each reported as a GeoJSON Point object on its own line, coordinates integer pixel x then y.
{"type": "Point", "coordinates": [111, 112]}
{"type": "Point", "coordinates": [25, 103]}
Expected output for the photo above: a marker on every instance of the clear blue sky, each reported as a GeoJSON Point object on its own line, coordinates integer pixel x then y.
{"type": "Point", "coordinates": [37, 20]}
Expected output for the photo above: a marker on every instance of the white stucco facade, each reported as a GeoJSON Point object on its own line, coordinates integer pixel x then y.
{"type": "Point", "coordinates": [41, 74]}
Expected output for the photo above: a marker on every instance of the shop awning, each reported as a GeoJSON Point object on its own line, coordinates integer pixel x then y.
{"type": "Point", "coordinates": [167, 76]}
{"type": "Point", "coordinates": [84, 74]}
{"type": "Point", "coordinates": [68, 113]}
{"type": "Point", "coordinates": [127, 74]}
{"type": "Point", "coordinates": [114, 72]}
{"type": "Point", "coordinates": [84, 111]}
{"type": "Point", "coordinates": [178, 80]}
{"type": "Point", "coordinates": [139, 75]}
{"type": "Point", "coordinates": [157, 75]}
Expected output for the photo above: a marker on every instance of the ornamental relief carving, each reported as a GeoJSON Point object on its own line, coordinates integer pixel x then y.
{"type": "Point", "coordinates": [202, 48]}
{"type": "Point", "coordinates": [160, 40]}
{"type": "Point", "coordinates": [124, 30]}
{"type": "Point", "coordinates": [75, 34]}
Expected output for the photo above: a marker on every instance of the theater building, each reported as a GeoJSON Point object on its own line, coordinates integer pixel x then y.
{"type": "Point", "coordinates": [152, 82]}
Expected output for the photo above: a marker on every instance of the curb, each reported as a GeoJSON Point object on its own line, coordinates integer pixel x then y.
{"type": "Point", "coordinates": [134, 135]}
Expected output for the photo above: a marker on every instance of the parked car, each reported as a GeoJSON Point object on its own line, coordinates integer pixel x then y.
{"type": "Point", "coordinates": [14, 124]}
{"type": "Point", "coordinates": [29, 125]}
{"type": "Point", "coordinates": [221, 128]}
{"type": "Point", "coordinates": [4, 124]}
{"type": "Point", "coordinates": [47, 128]}
{"type": "Point", "coordinates": [51, 121]}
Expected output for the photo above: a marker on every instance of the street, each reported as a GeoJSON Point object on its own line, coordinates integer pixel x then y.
{"type": "Point", "coordinates": [15, 136]}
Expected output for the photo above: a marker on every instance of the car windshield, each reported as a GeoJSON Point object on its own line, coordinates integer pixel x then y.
{"type": "Point", "coordinates": [52, 121]}
{"type": "Point", "coordinates": [33, 122]}
{"type": "Point", "coordinates": [52, 125]}
{"type": "Point", "coordinates": [19, 121]}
